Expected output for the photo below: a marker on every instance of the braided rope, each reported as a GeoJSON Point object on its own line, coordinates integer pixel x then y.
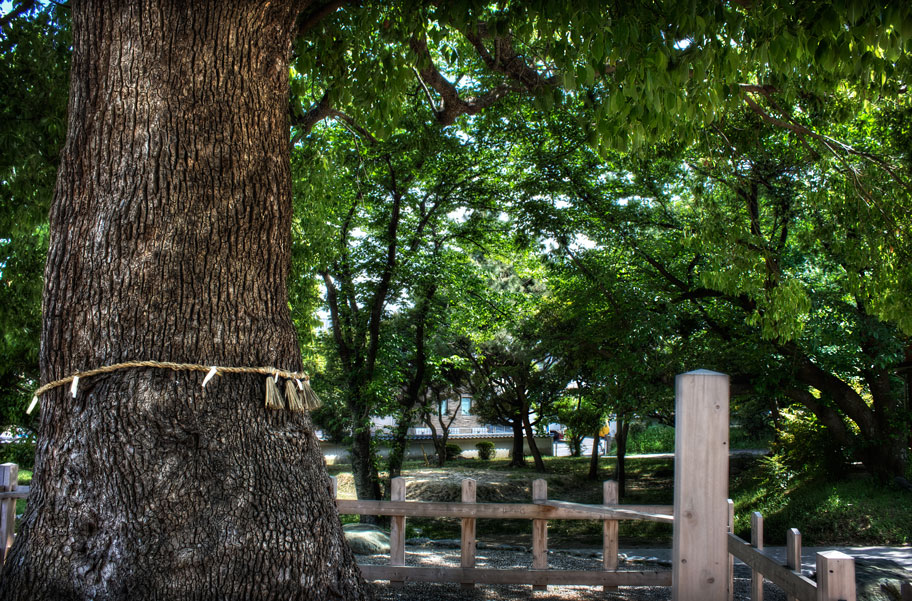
{"type": "Point", "coordinates": [266, 371]}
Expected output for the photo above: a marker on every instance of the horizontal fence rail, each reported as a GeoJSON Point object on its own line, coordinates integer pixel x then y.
{"type": "Point", "coordinates": [551, 510]}
{"type": "Point", "coordinates": [516, 576]}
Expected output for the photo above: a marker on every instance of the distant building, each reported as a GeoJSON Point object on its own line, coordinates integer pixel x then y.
{"type": "Point", "coordinates": [466, 430]}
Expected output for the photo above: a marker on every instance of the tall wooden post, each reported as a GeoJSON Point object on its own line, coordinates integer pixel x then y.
{"type": "Point", "coordinates": [467, 543]}
{"type": "Point", "coordinates": [731, 558]}
{"type": "Point", "coordinates": [539, 533]}
{"type": "Point", "coordinates": [757, 543]}
{"type": "Point", "coordinates": [610, 531]}
{"type": "Point", "coordinates": [397, 528]}
{"type": "Point", "coordinates": [9, 481]}
{"type": "Point", "coordinates": [700, 542]}
{"type": "Point", "coordinates": [793, 554]}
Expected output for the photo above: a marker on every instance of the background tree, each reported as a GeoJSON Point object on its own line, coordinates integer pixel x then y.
{"type": "Point", "coordinates": [169, 240]}
{"type": "Point", "coordinates": [34, 45]}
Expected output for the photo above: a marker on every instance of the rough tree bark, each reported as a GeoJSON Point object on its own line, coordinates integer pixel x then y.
{"type": "Point", "coordinates": [170, 235]}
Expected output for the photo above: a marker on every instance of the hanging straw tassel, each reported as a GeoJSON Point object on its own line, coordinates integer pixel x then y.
{"type": "Point", "coordinates": [311, 400]}
{"type": "Point", "coordinates": [274, 398]}
{"type": "Point", "coordinates": [295, 402]}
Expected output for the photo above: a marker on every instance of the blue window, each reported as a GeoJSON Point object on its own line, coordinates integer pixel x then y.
{"type": "Point", "coordinates": [466, 405]}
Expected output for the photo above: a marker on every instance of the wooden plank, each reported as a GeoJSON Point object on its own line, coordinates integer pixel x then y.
{"type": "Point", "coordinates": [792, 582]}
{"type": "Point", "coordinates": [699, 556]}
{"type": "Point", "coordinates": [835, 576]}
{"type": "Point", "coordinates": [397, 527]}
{"type": "Point", "coordinates": [610, 531]}
{"type": "Point", "coordinates": [539, 533]}
{"type": "Point", "coordinates": [467, 538]}
{"type": "Point", "coordinates": [756, 543]}
{"type": "Point", "coordinates": [600, 512]}
{"type": "Point", "coordinates": [793, 554]}
{"type": "Point", "coordinates": [333, 487]}
{"type": "Point", "coordinates": [516, 576]}
{"type": "Point", "coordinates": [498, 511]}
{"type": "Point", "coordinates": [906, 591]}
{"type": "Point", "coordinates": [731, 558]}
{"type": "Point", "coordinates": [9, 481]}
{"type": "Point", "coordinates": [21, 492]}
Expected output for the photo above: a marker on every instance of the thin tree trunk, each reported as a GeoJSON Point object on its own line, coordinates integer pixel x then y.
{"type": "Point", "coordinates": [536, 454]}
{"type": "Point", "coordinates": [623, 427]}
{"type": "Point", "coordinates": [517, 458]}
{"type": "Point", "coordinates": [594, 457]}
{"type": "Point", "coordinates": [399, 447]}
{"type": "Point", "coordinates": [169, 241]}
{"type": "Point", "coordinates": [364, 469]}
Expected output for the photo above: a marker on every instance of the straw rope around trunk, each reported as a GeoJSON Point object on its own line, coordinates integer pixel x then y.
{"type": "Point", "coordinates": [274, 399]}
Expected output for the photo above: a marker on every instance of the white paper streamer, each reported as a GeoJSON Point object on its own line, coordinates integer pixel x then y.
{"type": "Point", "coordinates": [75, 387]}
{"type": "Point", "coordinates": [31, 406]}
{"type": "Point", "coordinates": [212, 371]}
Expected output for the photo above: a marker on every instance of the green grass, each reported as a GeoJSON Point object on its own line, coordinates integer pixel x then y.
{"type": "Point", "coordinates": [25, 479]}
{"type": "Point", "coordinates": [856, 510]}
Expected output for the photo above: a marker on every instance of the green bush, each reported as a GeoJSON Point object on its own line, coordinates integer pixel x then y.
{"type": "Point", "coordinates": [485, 450]}
{"type": "Point", "coordinates": [656, 438]}
{"type": "Point", "coordinates": [453, 451]}
{"type": "Point", "coordinates": [21, 453]}
{"type": "Point", "coordinates": [803, 446]}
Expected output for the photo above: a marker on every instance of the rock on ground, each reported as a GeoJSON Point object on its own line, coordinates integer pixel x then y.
{"type": "Point", "coordinates": [367, 539]}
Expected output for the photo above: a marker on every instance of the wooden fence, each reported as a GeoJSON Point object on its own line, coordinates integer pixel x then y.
{"type": "Point", "coordinates": [835, 570]}
{"type": "Point", "coordinates": [540, 511]}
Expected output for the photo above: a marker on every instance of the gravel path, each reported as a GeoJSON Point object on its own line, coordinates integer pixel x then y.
{"type": "Point", "coordinates": [500, 558]}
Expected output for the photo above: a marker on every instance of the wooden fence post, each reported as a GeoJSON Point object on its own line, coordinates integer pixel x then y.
{"type": "Point", "coordinates": [700, 541]}
{"type": "Point", "coordinates": [610, 531]}
{"type": "Point", "coordinates": [731, 558]}
{"type": "Point", "coordinates": [397, 527]}
{"type": "Point", "coordinates": [539, 533]}
{"type": "Point", "coordinates": [835, 576]}
{"type": "Point", "coordinates": [756, 543]}
{"type": "Point", "coordinates": [793, 553]}
{"type": "Point", "coordinates": [333, 488]}
{"type": "Point", "coordinates": [9, 481]}
{"type": "Point", "coordinates": [467, 541]}
{"type": "Point", "coordinates": [906, 591]}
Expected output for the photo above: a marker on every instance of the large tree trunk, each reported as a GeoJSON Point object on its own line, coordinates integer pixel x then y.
{"type": "Point", "coordinates": [170, 242]}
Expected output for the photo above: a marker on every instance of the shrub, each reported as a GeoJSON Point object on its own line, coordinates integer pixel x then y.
{"type": "Point", "coordinates": [803, 446]}
{"type": "Point", "coordinates": [485, 450]}
{"type": "Point", "coordinates": [656, 438]}
{"type": "Point", "coordinates": [453, 451]}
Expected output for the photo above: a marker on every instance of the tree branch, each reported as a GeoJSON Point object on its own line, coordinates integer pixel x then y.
{"type": "Point", "coordinates": [23, 7]}
{"type": "Point", "coordinates": [319, 111]}
{"type": "Point", "coordinates": [452, 105]}
{"type": "Point", "coordinates": [308, 21]}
